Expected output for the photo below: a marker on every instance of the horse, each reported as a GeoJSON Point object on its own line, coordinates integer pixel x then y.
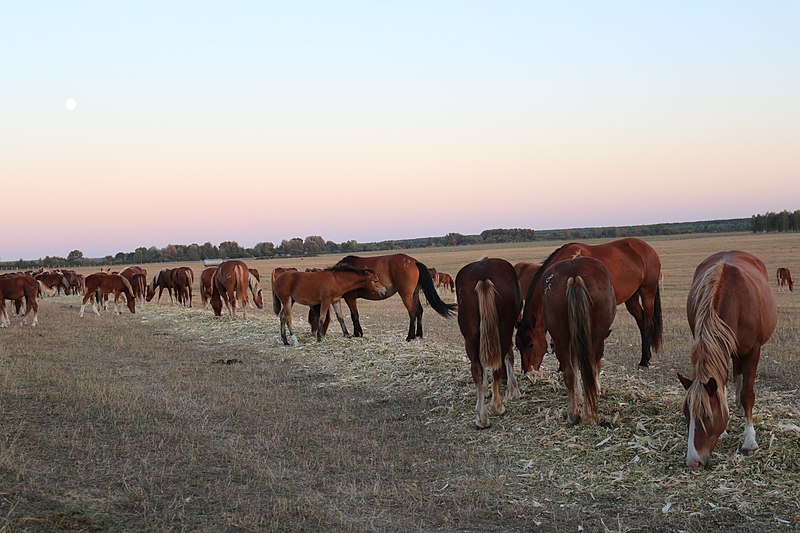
{"type": "Point", "coordinates": [489, 302]}
{"type": "Point", "coordinates": [74, 280]}
{"type": "Point", "coordinates": [15, 287]}
{"type": "Point", "coordinates": [314, 310]}
{"type": "Point", "coordinates": [525, 271]}
{"type": "Point", "coordinates": [579, 307]}
{"type": "Point", "coordinates": [231, 283]}
{"type": "Point", "coordinates": [402, 274]}
{"type": "Point", "coordinates": [443, 279]}
{"type": "Point", "coordinates": [52, 283]}
{"type": "Point", "coordinates": [182, 280]}
{"type": "Point", "coordinates": [137, 277]}
{"type": "Point", "coordinates": [207, 285]}
{"type": "Point", "coordinates": [100, 284]}
{"type": "Point", "coordinates": [635, 269]}
{"type": "Point", "coordinates": [162, 280]}
{"type": "Point", "coordinates": [323, 288]}
{"type": "Point", "coordinates": [732, 312]}
{"type": "Point", "coordinates": [785, 279]}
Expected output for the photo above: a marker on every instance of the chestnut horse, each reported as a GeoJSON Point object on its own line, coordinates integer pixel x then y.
{"type": "Point", "coordinates": [207, 284]}
{"type": "Point", "coordinates": [231, 283]}
{"type": "Point", "coordinates": [525, 271]}
{"type": "Point", "coordinates": [162, 280]}
{"type": "Point", "coordinates": [785, 279]}
{"type": "Point", "coordinates": [635, 269]}
{"type": "Point", "coordinates": [323, 288]}
{"type": "Point", "coordinates": [15, 287]}
{"type": "Point", "coordinates": [182, 280]}
{"type": "Point", "coordinates": [489, 302]}
{"type": "Point", "coordinates": [398, 273]}
{"type": "Point", "coordinates": [98, 285]}
{"type": "Point", "coordinates": [52, 283]}
{"type": "Point", "coordinates": [578, 309]}
{"type": "Point", "coordinates": [443, 279]}
{"type": "Point", "coordinates": [313, 311]}
{"type": "Point", "coordinates": [732, 312]}
{"type": "Point", "coordinates": [137, 277]}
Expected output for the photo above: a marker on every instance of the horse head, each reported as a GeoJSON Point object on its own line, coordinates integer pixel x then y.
{"type": "Point", "coordinates": [532, 345]}
{"type": "Point", "coordinates": [255, 289]}
{"type": "Point", "coordinates": [375, 284]}
{"type": "Point", "coordinates": [707, 416]}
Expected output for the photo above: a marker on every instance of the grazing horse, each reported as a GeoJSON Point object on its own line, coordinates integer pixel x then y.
{"type": "Point", "coordinates": [182, 280]}
{"type": "Point", "coordinates": [74, 280]}
{"type": "Point", "coordinates": [52, 283]}
{"type": "Point", "coordinates": [137, 277]}
{"type": "Point", "coordinates": [579, 308]}
{"type": "Point", "coordinates": [398, 273]}
{"type": "Point", "coordinates": [207, 284]}
{"type": "Point", "coordinates": [443, 279]}
{"type": "Point", "coordinates": [525, 271]}
{"type": "Point", "coordinates": [15, 287]}
{"type": "Point", "coordinates": [98, 285]}
{"type": "Point", "coordinates": [323, 288]}
{"type": "Point", "coordinates": [732, 312]}
{"type": "Point", "coordinates": [785, 279]}
{"type": "Point", "coordinates": [635, 269]}
{"type": "Point", "coordinates": [232, 282]}
{"type": "Point", "coordinates": [489, 302]}
{"type": "Point", "coordinates": [162, 280]}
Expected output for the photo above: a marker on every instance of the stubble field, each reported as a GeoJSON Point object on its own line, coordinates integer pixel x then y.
{"type": "Point", "coordinates": [175, 420]}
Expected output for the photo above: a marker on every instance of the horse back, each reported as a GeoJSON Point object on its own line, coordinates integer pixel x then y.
{"type": "Point", "coordinates": [508, 301]}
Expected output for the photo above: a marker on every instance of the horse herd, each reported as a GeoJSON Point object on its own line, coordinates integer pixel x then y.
{"type": "Point", "coordinates": [572, 296]}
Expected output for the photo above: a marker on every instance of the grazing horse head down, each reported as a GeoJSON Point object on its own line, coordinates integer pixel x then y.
{"type": "Point", "coordinates": [635, 270]}
{"type": "Point", "coordinates": [162, 280]}
{"type": "Point", "coordinates": [732, 312]}
{"type": "Point", "coordinates": [489, 302]}
{"type": "Point", "coordinates": [231, 284]}
{"type": "Point", "coordinates": [206, 285]}
{"type": "Point", "coordinates": [785, 279]}
{"type": "Point", "coordinates": [98, 285]}
{"type": "Point", "coordinates": [15, 287]}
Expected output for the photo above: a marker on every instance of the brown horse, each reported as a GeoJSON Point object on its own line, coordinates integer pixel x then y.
{"type": "Point", "coordinates": [182, 280]}
{"type": "Point", "coordinates": [402, 274]}
{"type": "Point", "coordinates": [52, 283]}
{"type": "Point", "coordinates": [98, 285]}
{"type": "Point", "coordinates": [162, 280]}
{"type": "Point", "coordinates": [489, 302]}
{"type": "Point", "coordinates": [232, 282]}
{"type": "Point", "coordinates": [785, 279]}
{"type": "Point", "coordinates": [207, 285]}
{"type": "Point", "coordinates": [443, 279]}
{"type": "Point", "coordinates": [15, 287]}
{"type": "Point", "coordinates": [635, 269]}
{"type": "Point", "coordinates": [525, 271]}
{"type": "Point", "coordinates": [579, 308]}
{"type": "Point", "coordinates": [323, 288]}
{"type": "Point", "coordinates": [313, 311]}
{"type": "Point", "coordinates": [137, 277]}
{"type": "Point", "coordinates": [732, 312]}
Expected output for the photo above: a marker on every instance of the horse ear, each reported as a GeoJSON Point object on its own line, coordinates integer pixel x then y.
{"type": "Point", "coordinates": [711, 386]}
{"type": "Point", "coordinates": [686, 382]}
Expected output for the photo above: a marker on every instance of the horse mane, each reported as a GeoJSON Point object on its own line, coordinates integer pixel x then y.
{"type": "Point", "coordinates": [714, 342]}
{"type": "Point", "coordinates": [340, 267]}
{"type": "Point", "coordinates": [348, 260]}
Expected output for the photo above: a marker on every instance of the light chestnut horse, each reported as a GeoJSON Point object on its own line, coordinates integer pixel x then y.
{"type": "Point", "coordinates": [322, 288]}
{"type": "Point", "coordinates": [15, 287]}
{"type": "Point", "coordinates": [732, 312]}
{"type": "Point", "coordinates": [96, 286]}
{"type": "Point", "coordinates": [445, 280]}
{"type": "Point", "coordinates": [231, 284]}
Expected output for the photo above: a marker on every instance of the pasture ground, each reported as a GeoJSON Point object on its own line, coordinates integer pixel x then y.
{"type": "Point", "coordinates": [174, 420]}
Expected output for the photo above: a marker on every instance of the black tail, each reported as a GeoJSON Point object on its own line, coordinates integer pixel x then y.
{"type": "Point", "coordinates": [276, 303]}
{"type": "Point", "coordinates": [657, 334]}
{"type": "Point", "coordinates": [438, 305]}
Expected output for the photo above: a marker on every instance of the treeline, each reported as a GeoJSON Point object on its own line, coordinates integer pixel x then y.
{"type": "Point", "coordinates": [769, 222]}
{"type": "Point", "coordinates": [316, 245]}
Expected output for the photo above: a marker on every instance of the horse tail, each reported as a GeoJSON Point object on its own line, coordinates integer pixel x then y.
{"type": "Point", "coordinates": [657, 333]}
{"type": "Point", "coordinates": [579, 313]}
{"type": "Point", "coordinates": [489, 347]}
{"type": "Point", "coordinates": [438, 305]}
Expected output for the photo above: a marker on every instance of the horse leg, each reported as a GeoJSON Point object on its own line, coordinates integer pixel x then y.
{"type": "Point", "coordinates": [326, 305]}
{"type": "Point", "coordinates": [481, 413]}
{"type": "Point", "coordinates": [512, 387]}
{"type": "Point", "coordinates": [497, 395]}
{"type": "Point", "coordinates": [337, 309]}
{"type": "Point", "coordinates": [573, 415]}
{"type": "Point", "coordinates": [4, 320]}
{"type": "Point", "coordinates": [287, 310]}
{"type": "Point", "coordinates": [635, 309]}
{"type": "Point", "coordinates": [744, 369]}
{"type": "Point", "coordinates": [351, 304]}
{"type": "Point", "coordinates": [418, 309]}
{"type": "Point", "coordinates": [282, 316]}
{"type": "Point", "coordinates": [86, 297]}
{"type": "Point", "coordinates": [411, 307]}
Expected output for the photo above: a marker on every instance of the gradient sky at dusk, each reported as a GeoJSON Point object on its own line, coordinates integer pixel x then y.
{"type": "Point", "coordinates": [264, 121]}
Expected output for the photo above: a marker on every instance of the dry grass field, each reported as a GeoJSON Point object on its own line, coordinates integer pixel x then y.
{"type": "Point", "coordinates": [175, 420]}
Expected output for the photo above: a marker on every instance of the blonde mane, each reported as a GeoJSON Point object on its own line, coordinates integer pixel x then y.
{"type": "Point", "coordinates": [714, 343]}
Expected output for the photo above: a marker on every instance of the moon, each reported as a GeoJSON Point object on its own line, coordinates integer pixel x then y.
{"type": "Point", "coordinates": [71, 104]}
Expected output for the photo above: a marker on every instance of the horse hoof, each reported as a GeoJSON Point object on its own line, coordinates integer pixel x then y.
{"type": "Point", "coordinates": [748, 452]}
{"type": "Point", "coordinates": [483, 425]}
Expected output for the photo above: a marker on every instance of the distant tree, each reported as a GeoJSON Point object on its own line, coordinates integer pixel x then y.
{"type": "Point", "coordinates": [313, 245]}
{"type": "Point", "coordinates": [75, 256]}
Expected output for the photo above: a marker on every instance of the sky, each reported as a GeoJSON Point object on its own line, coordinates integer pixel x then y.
{"type": "Point", "coordinates": [127, 124]}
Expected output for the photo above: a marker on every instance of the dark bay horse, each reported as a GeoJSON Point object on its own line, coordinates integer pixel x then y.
{"type": "Point", "coordinates": [207, 285]}
{"type": "Point", "coordinates": [182, 280]}
{"type": "Point", "coordinates": [15, 287]}
{"type": "Point", "coordinates": [402, 274]}
{"type": "Point", "coordinates": [579, 308]}
{"type": "Point", "coordinates": [98, 285]}
{"type": "Point", "coordinates": [785, 279]}
{"type": "Point", "coordinates": [635, 269]}
{"type": "Point", "coordinates": [489, 302]}
{"type": "Point", "coordinates": [732, 312]}
{"type": "Point", "coordinates": [232, 283]}
{"type": "Point", "coordinates": [162, 280]}
{"type": "Point", "coordinates": [322, 288]}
